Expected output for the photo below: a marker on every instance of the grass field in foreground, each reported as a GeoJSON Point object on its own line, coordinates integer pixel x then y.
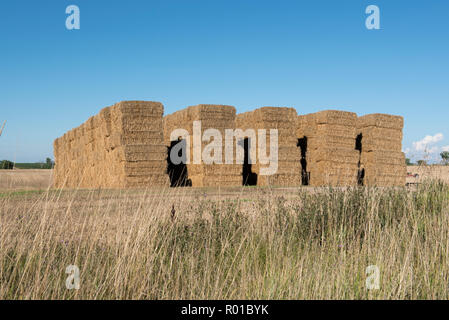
{"type": "Point", "coordinates": [309, 245]}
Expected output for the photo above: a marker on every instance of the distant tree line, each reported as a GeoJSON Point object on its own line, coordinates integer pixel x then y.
{"type": "Point", "coordinates": [444, 160]}
{"type": "Point", "coordinates": [9, 165]}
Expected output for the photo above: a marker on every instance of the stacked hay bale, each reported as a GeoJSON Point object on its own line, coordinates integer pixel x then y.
{"type": "Point", "coordinates": [69, 152]}
{"type": "Point", "coordinates": [284, 120]}
{"type": "Point", "coordinates": [121, 147]}
{"type": "Point", "coordinates": [330, 156]}
{"type": "Point", "coordinates": [60, 152]}
{"type": "Point", "coordinates": [220, 117]}
{"type": "Point", "coordinates": [381, 157]}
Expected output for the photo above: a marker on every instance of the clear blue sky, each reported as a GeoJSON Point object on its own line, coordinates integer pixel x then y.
{"type": "Point", "coordinates": [311, 55]}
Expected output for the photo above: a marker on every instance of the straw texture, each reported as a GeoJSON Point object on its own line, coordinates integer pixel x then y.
{"type": "Point", "coordinates": [121, 147]}
{"type": "Point", "coordinates": [381, 157]}
{"type": "Point", "coordinates": [331, 155]}
{"type": "Point", "coordinates": [284, 120]}
{"type": "Point", "coordinates": [220, 117]}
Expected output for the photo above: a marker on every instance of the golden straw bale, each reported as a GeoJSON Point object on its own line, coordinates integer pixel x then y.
{"type": "Point", "coordinates": [285, 121]}
{"type": "Point", "coordinates": [279, 180]}
{"type": "Point", "coordinates": [336, 130]}
{"type": "Point", "coordinates": [336, 117]}
{"type": "Point", "coordinates": [383, 169]}
{"type": "Point", "coordinates": [381, 145]}
{"type": "Point", "coordinates": [381, 120]}
{"type": "Point", "coordinates": [384, 133]}
{"type": "Point", "coordinates": [383, 157]}
{"type": "Point", "coordinates": [336, 179]}
{"type": "Point", "coordinates": [317, 142]}
{"type": "Point", "coordinates": [334, 154]}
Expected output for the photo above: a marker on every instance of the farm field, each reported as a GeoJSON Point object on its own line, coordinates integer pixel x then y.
{"type": "Point", "coordinates": [241, 243]}
{"type": "Point", "coordinates": [430, 172]}
{"type": "Point", "coordinates": [40, 179]}
{"type": "Point", "coordinates": [25, 179]}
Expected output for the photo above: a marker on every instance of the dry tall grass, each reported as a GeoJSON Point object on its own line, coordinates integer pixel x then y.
{"type": "Point", "coordinates": [309, 245]}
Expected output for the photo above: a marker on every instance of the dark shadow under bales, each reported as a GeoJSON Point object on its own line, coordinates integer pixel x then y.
{"type": "Point", "coordinates": [249, 178]}
{"type": "Point", "coordinates": [361, 171]}
{"type": "Point", "coordinates": [305, 176]}
{"type": "Point", "coordinates": [176, 164]}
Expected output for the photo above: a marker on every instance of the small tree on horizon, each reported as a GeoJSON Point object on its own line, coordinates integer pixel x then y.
{"type": "Point", "coordinates": [445, 156]}
{"type": "Point", "coordinates": [48, 164]}
{"type": "Point", "coordinates": [408, 162]}
{"type": "Point", "coordinates": [422, 162]}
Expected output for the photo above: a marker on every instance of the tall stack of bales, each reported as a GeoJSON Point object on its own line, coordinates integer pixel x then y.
{"type": "Point", "coordinates": [327, 140]}
{"type": "Point", "coordinates": [284, 121]}
{"type": "Point", "coordinates": [382, 160]}
{"type": "Point", "coordinates": [121, 147]}
{"type": "Point", "coordinates": [220, 117]}
{"type": "Point", "coordinates": [125, 146]}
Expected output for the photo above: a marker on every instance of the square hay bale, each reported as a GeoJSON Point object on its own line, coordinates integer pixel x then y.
{"type": "Point", "coordinates": [381, 145]}
{"type": "Point", "coordinates": [386, 180]}
{"type": "Point", "coordinates": [375, 169]}
{"type": "Point", "coordinates": [375, 138]}
{"type": "Point", "coordinates": [306, 125]}
{"type": "Point", "coordinates": [144, 108]}
{"type": "Point", "coordinates": [381, 120]}
{"type": "Point", "coordinates": [384, 174]}
{"type": "Point", "coordinates": [318, 142]}
{"type": "Point", "coordinates": [280, 180]}
{"type": "Point", "coordinates": [334, 155]}
{"type": "Point", "coordinates": [336, 130]}
{"type": "Point", "coordinates": [336, 117]}
{"type": "Point", "coordinates": [334, 179]}
{"type": "Point", "coordinates": [383, 157]}
{"type": "Point", "coordinates": [384, 133]}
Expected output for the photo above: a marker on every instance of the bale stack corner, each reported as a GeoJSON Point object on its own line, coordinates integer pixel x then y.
{"type": "Point", "coordinates": [121, 147]}
{"type": "Point", "coordinates": [382, 158]}
{"type": "Point", "coordinates": [282, 119]}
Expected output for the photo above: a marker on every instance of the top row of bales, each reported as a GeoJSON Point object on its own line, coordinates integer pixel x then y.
{"type": "Point", "coordinates": [127, 145]}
